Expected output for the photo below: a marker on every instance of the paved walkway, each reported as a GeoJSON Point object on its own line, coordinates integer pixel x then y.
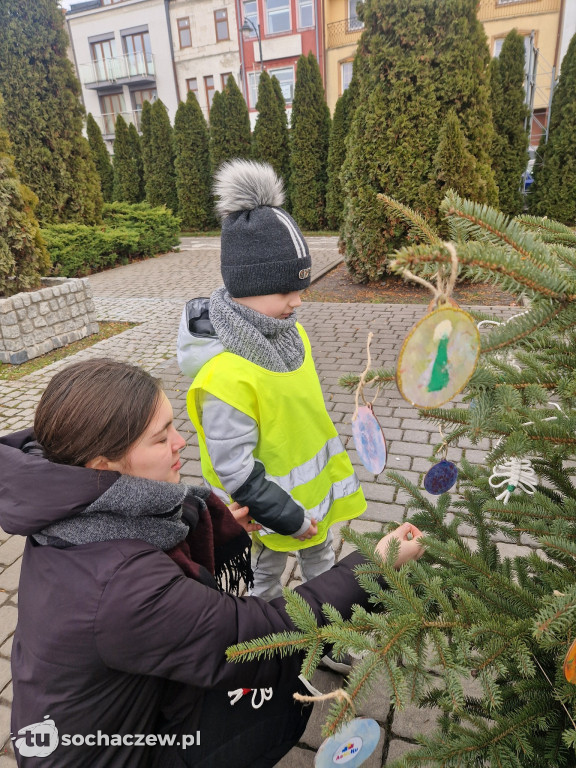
{"type": "Point", "coordinates": [152, 293]}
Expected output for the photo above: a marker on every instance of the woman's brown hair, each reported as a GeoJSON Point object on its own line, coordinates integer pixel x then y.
{"type": "Point", "coordinates": [99, 407]}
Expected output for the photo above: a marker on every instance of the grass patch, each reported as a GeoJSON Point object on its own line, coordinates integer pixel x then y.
{"type": "Point", "coordinates": [13, 372]}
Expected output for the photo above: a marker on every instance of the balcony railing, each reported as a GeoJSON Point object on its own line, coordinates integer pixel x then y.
{"type": "Point", "coordinates": [346, 32]}
{"type": "Point", "coordinates": [489, 10]}
{"type": "Point", "coordinates": [126, 68]}
{"type": "Point", "coordinates": [107, 123]}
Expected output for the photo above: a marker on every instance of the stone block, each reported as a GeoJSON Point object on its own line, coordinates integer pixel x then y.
{"type": "Point", "coordinates": [8, 620]}
{"type": "Point", "coordinates": [17, 301]}
{"type": "Point", "coordinates": [297, 758]}
{"type": "Point", "coordinates": [5, 727]}
{"type": "Point", "coordinates": [11, 318]}
{"type": "Point", "coordinates": [32, 311]}
{"type": "Point", "coordinates": [12, 549]}
{"type": "Point", "coordinates": [39, 322]}
{"type": "Point", "coordinates": [18, 358]}
{"type": "Point", "coordinates": [26, 299]}
{"type": "Point", "coordinates": [411, 721]}
{"type": "Point", "coordinates": [397, 749]}
{"type": "Point", "coordinates": [44, 308]}
{"type": "Point", "coordinates": [10, 332]}
{"type": "Point", "coordinates": [5, 675]}
{"type": "Point", "coordinates": [10, 577]}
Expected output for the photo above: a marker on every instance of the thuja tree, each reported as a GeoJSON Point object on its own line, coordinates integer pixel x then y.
{"type": "Point", "coordinates": [510, 146]}
{"type": "Point", "coordinates": [270, 137]}
{"type": "Point", "coordinates": [145, 143]}
{"type": "Point", "coordinates": [494, 628]}
{"type": "Point", "coordinates": [193, 176]}
{"type": "Point", "coordinates": [553, 192]}
{"type": "Point", "coordinates": [136, 150]}
{"type": "Point", "coordinates": [336, 157]}
{"type": "Point", "coordinates": [23, 256]}
{"type": "Point", "coordinates": [418, 61]}
{"type": "Point", "coordinates": [43, 113]}
{"type": "Point", "coordinates": [310, 135]}
{"type": "Point", "coordinates": [127, 186]}
{"type": "Point", "coordinates": [101, 158]}
{"type": "Point", "coordinates": [159, 153]}
{"type": "Point", "coordinates": [218, 140]}
{"type": "Point", "coordinates": [238, 134]}
{"type": "Point", "coordinates": [455, 167]}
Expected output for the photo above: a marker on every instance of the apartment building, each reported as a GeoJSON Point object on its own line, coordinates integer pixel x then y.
{"type": "Point", "coordinates": [273, 35]}
{"type": "Point", "coordinates": [342, 32]}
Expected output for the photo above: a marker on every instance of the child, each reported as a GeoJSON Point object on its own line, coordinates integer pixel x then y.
{"type": "Point", "coordinates": [266, 440]}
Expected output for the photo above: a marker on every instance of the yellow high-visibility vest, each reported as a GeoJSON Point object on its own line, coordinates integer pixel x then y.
{"type": "Point", "coordinates": [298, 443]}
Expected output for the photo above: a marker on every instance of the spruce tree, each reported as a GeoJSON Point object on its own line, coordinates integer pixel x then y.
{"type": "Point", "coordinates": [553, 192]}
{"type": "Point", "coordinates": [237, 121]}
{"type": "Point", "coordinates": [193, 177]}
{"type": "Point", "coordinates": [43, 113]}
{"type": "Point", "coordinates": [161, 180]}
{"type": "Point", "coordinates": [310, 135]}
{"type": "Point", "coordinates": [336, 157]}
{"type": "Point", "coordinates": [126, 177]}
{"type": "Point", "coordinates": [477, 628]}
{"type": "Point", "coordinates": [218, 134]}
{"type": "Point", "coordinates": [510, 147]}
{"type": "Point", "coordinates": [270, 137]}
{"type": "Point", "coordinates": [417, 61]}
{"type": "Point", "coordinates": [145, 123]}
{"type": "Point", "coordinates": [23, 256]}
{"type": "Point", "coordinates": [101, 158]}
{"type": "Point", "coordinates": [136, 151]}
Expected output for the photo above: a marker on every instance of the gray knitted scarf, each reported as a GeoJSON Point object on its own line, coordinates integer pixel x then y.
{"type": "Point", "coordinates": [269, 342]}
{"type": "Point", "coordinates": [133, 508]}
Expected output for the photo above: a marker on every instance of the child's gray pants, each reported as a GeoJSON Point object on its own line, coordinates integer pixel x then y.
{"type": "Point", "coordinates": [268, 565]}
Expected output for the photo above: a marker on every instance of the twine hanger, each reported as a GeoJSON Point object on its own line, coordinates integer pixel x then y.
{"type": "Point", "coordinates": [443, 290]}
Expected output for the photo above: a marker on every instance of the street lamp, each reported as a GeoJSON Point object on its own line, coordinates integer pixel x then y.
{"type": "Point", "coordinates": [246, 29]}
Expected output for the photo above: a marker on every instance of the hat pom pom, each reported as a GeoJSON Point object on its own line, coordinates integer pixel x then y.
{"type": "Point", "coordinates": [243, 185]}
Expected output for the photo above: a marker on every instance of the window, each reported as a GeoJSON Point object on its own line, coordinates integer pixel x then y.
{"type": "Point", "coordinates": [253, 80]}
{"type": "Point", "coordinates": [497, 48]}
{"type": "Point", "coordinates": [251, 13]}
{"type": "Point", "coordinates": [209, 86]}
{"type": "Point", "coordinates": [224, 78]}
{"type": "Point", "coordinates": [221, 24]}
{"type": "Point", "coordinates": [286, 78]}
{"type": "Point", "coordinates": [111, 106]}
{"type": "Point", "coordinates": [184, 33]}
{"type": "Point", "coordinates": [353, 20]}
{"type": "Point", "coordinates": [277, 16]}
{"type": "Point", "coordinates": [345, 75]}
{"type": "Point", "coordinates": [103, 54]}
{"type": "Point", "coordinates": [192, 85]}
{"type": "Point", "coordinates": [139, 53]}
{"type": "Point", "coordinates": [139, 97]}
{"type": "Point", "coordinates": [305, 14]}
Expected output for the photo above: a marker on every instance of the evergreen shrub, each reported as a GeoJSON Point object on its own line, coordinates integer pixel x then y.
{"type": "Point", "coordinates": [128, 232]}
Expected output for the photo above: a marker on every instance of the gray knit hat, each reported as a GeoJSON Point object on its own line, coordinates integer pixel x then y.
{"type": "Point", "coordinates": [263, 250]}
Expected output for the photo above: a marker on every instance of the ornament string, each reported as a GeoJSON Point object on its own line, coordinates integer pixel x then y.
{"type": "Point", "coordinates": [360, 387]}
{"type": "Point", "coordinates": [317, 695]}
{"type": "Point", "coordinates": [442, 291]}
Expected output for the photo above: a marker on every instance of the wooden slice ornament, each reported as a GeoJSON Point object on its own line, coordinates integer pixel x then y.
{"type": "Point", "coordinates": [438, 357]}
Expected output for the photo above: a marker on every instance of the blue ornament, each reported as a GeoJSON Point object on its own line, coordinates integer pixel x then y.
{"type": "Point", "coordinates": [369, 439]}
{"type": "Point", "coordinates": [351, 746]}
{"type": "Point", "coordinates": [441, 477]}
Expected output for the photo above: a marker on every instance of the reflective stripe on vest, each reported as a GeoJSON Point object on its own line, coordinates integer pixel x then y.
{"type": "Point", "coordinates": [298, 443]}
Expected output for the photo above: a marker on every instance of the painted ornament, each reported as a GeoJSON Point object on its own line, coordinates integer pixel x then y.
{"type": "Point", "coordinates": [351, 746]}
{"type": "Point", "coordinates": [369, 439]}
{"type": "Point", "coordinates": [441, 477]}
{"type": "Point", "coordinates": [438, 357]}
{"type": "Point", "coordinates": [570, 664]}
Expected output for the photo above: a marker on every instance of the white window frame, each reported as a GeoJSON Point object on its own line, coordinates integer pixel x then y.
{"type": "Point", "coordinates": [253, 81]}
{"type": "Point", "coordinates": [278, 12]}
{"type": "Point", "coordinates": [343, 84]}
{"type": "Point", "coordinates": [354, 22]}
{"type": "Point", "coordinates": [293, 82]}
{"type": "Point", "coordinates": [252, 17]}
{"type": "Point", "coordinates": [306, 3]}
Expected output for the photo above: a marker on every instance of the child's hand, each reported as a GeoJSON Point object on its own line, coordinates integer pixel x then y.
{"type": "Point", "coordinates": [410, 547]}
{"type": "Point", "coordinates": [312, 531]}
{"type": "Point", "coordinates": [242, 517]}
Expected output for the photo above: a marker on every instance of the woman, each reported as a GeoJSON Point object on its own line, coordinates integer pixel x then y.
{"type": "Point", "coordinates": [123, 615]}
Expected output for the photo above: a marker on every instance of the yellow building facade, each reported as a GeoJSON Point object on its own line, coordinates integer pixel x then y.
{"type": "Point", "coordinates": [341, 33]}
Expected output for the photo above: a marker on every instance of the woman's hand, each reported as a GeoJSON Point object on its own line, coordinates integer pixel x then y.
{"type": "Point", "coordinates": [410, 547]}
{"type": "Point", "coordinates": [242, 517]}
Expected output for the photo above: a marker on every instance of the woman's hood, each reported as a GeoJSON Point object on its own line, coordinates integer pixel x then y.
{"type": "Point", "coordinates": [35, 492]}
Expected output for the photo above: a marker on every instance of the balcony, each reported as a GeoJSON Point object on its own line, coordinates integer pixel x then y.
{"type": "Point", "coordinates": [136, 68]}
{"type": "Point", "coordinates": [491, 10]}
{"type": "Point", "coordinates": [346, 32]}
{"type": "Point", "coordinates": [107, 123]}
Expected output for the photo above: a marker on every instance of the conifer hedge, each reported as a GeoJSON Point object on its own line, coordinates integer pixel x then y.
{"type": "Point", "coordinates": [336, 157]}
{"type": "Point", "coordinates": [510, 146]}
{"type": "Point", "coordinates": [193, 176]}
{"type": "Point", "coordinates": [126, 171]}
{"type": "Point", "coordinates": [159, 159]}
{"type": "Point", "coordinates": [553, 192]}
{"type": "Point", "coordinates": [310, 134]}
{"type": "Point", "coordinates": [417, 61]}
{"type": "Point", "coordinates": [43, 113]}
{"type": "Point", "coordinates": [136, 151]}
{"type": "Point", "coordinates": [101, 158]}
{"type": "Point", "coordinates": [23, 255]}
{"type": "Point", "coordinates": [270, 137]}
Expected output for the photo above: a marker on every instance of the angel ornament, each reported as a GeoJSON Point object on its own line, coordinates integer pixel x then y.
{"type": "Point", "coordinates": [513, 474]}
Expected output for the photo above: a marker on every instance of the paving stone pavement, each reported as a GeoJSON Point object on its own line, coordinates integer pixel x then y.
{"type": "Point", "coordinates": [152, 293]}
